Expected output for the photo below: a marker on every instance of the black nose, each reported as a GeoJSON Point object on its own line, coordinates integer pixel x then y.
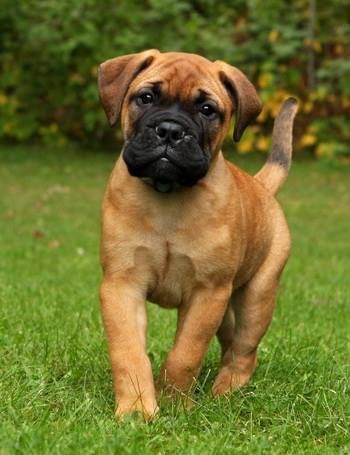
{"type": "Point", "coordinates": [170, 132]}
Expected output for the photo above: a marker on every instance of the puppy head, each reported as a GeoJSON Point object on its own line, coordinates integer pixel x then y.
{"type": "Point", "coordinates": [175, 111]}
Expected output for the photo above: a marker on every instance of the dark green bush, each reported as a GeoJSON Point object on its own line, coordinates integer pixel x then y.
{"type": "Point", "coordinates": [50, 51]}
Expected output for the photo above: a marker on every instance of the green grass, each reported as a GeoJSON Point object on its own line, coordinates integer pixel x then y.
{"type": "Point", "coordinates": [55, 381]}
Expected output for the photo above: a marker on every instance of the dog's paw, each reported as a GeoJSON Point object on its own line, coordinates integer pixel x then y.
{"type": "Point", "coordinates": [147, 412]}
{"type": "Point", "coordinates": [227, 381]}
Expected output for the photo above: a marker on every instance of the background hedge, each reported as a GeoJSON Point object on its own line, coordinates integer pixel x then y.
{"type": "Point", "coordinates": [50, 51]}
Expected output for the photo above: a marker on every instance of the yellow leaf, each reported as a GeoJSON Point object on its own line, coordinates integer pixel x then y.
{"type": "Point", "coordinates": [307, 140]}
{"type": "Point", "coordinates": [275, 108]}
{"type": "Point", "coordinates": [308, 106]}
{"type": "Point", "coordinates": [325, 149]}
{"type": "Point", "coordinates": [245, 146]}
{"type": "Point", "coordinates": [241, 22]}
{"type": "Point", "coordinates": [273, 36]}
{"type": "Point", "coordinates": [317, 46]}
{"type": "Point", "coordinates": [263, 115]}
{"type": "Point", "coordinates": [263, 144]}
{"type": "Point", "coordinates": [339, 49]}
{"type": "Point", "coordinates": [94, 71]}
{"type": "Point", "coordinates": [345, 102]}
{"type": "Point", "coordinates": [3, 99]}
{"type": "Point", "coordinates": [76, 77]}
{"type": "Point", "coordinates": [264, 80]}
{"type": "Point", "coordinates": [8, 127]}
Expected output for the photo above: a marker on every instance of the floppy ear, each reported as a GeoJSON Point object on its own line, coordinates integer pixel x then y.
{"type": "Point", "coordinates": [115, 76]}
{"type": "Point", "coordinates": [246, 100]}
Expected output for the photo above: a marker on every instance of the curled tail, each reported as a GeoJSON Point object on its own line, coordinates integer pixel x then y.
{"type": "Point", "coordinates": [275, 171]}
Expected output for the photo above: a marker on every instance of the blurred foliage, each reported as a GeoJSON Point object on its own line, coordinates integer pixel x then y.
{"type": "Point", "coordinates": [50, 51]}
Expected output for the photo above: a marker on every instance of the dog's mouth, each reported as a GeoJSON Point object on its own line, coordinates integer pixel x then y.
{"type": "Point", "coordinates": [166, 168]}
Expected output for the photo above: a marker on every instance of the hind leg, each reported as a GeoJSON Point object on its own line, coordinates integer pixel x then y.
{"type": "Point", "coordinates": [243, 327]}
{"type": "Point", "coordinates": [225, 338]}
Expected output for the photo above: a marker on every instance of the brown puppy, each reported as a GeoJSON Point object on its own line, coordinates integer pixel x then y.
{"type": "Point", "coordinates": [183, 227]}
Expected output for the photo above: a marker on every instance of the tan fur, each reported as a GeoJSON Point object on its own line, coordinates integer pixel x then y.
{"type": "Point", "coordinates": [225, 239]}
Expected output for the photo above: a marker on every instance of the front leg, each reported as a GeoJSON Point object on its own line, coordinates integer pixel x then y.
{"type": "Point", "coordinates": [125, 322]}
{"type": "Point", "coordinates": [198, 322]}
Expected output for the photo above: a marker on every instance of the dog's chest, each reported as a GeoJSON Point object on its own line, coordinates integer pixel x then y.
{"type": "Point", "coordinates": [182, 263]}
{"type": "Point", "coordinates": [172, 276]}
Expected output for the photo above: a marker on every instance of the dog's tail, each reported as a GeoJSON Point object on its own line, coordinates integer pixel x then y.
{"type": "Point", "coordinates": [275, 171]}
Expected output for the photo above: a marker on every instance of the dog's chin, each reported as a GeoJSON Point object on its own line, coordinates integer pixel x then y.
{"type": "Point", "coordinates": [162, 185]}
{"type": "Point", "coordinates": [162, 175]}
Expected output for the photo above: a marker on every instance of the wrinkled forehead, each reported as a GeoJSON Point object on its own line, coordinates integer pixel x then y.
{"type": "Point", "coordinates": [183, 77]}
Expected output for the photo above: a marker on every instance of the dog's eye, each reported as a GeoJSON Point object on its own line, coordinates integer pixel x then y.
{"type": "Point", "coordinates": [145, 98]}
{"type": "Point", "coordinates": [207, 110]}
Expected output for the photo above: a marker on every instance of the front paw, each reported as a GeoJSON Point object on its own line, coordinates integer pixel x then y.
{"type": "Point", "coordinates": [175, 385]}
{"type": "Point", "coordinates": [228, 380]}
{"type": "Point", "coordinates": [147, 410]}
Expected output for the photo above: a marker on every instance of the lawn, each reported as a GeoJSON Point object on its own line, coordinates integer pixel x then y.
{"type": "Point", "coordinates": [55, 381]}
